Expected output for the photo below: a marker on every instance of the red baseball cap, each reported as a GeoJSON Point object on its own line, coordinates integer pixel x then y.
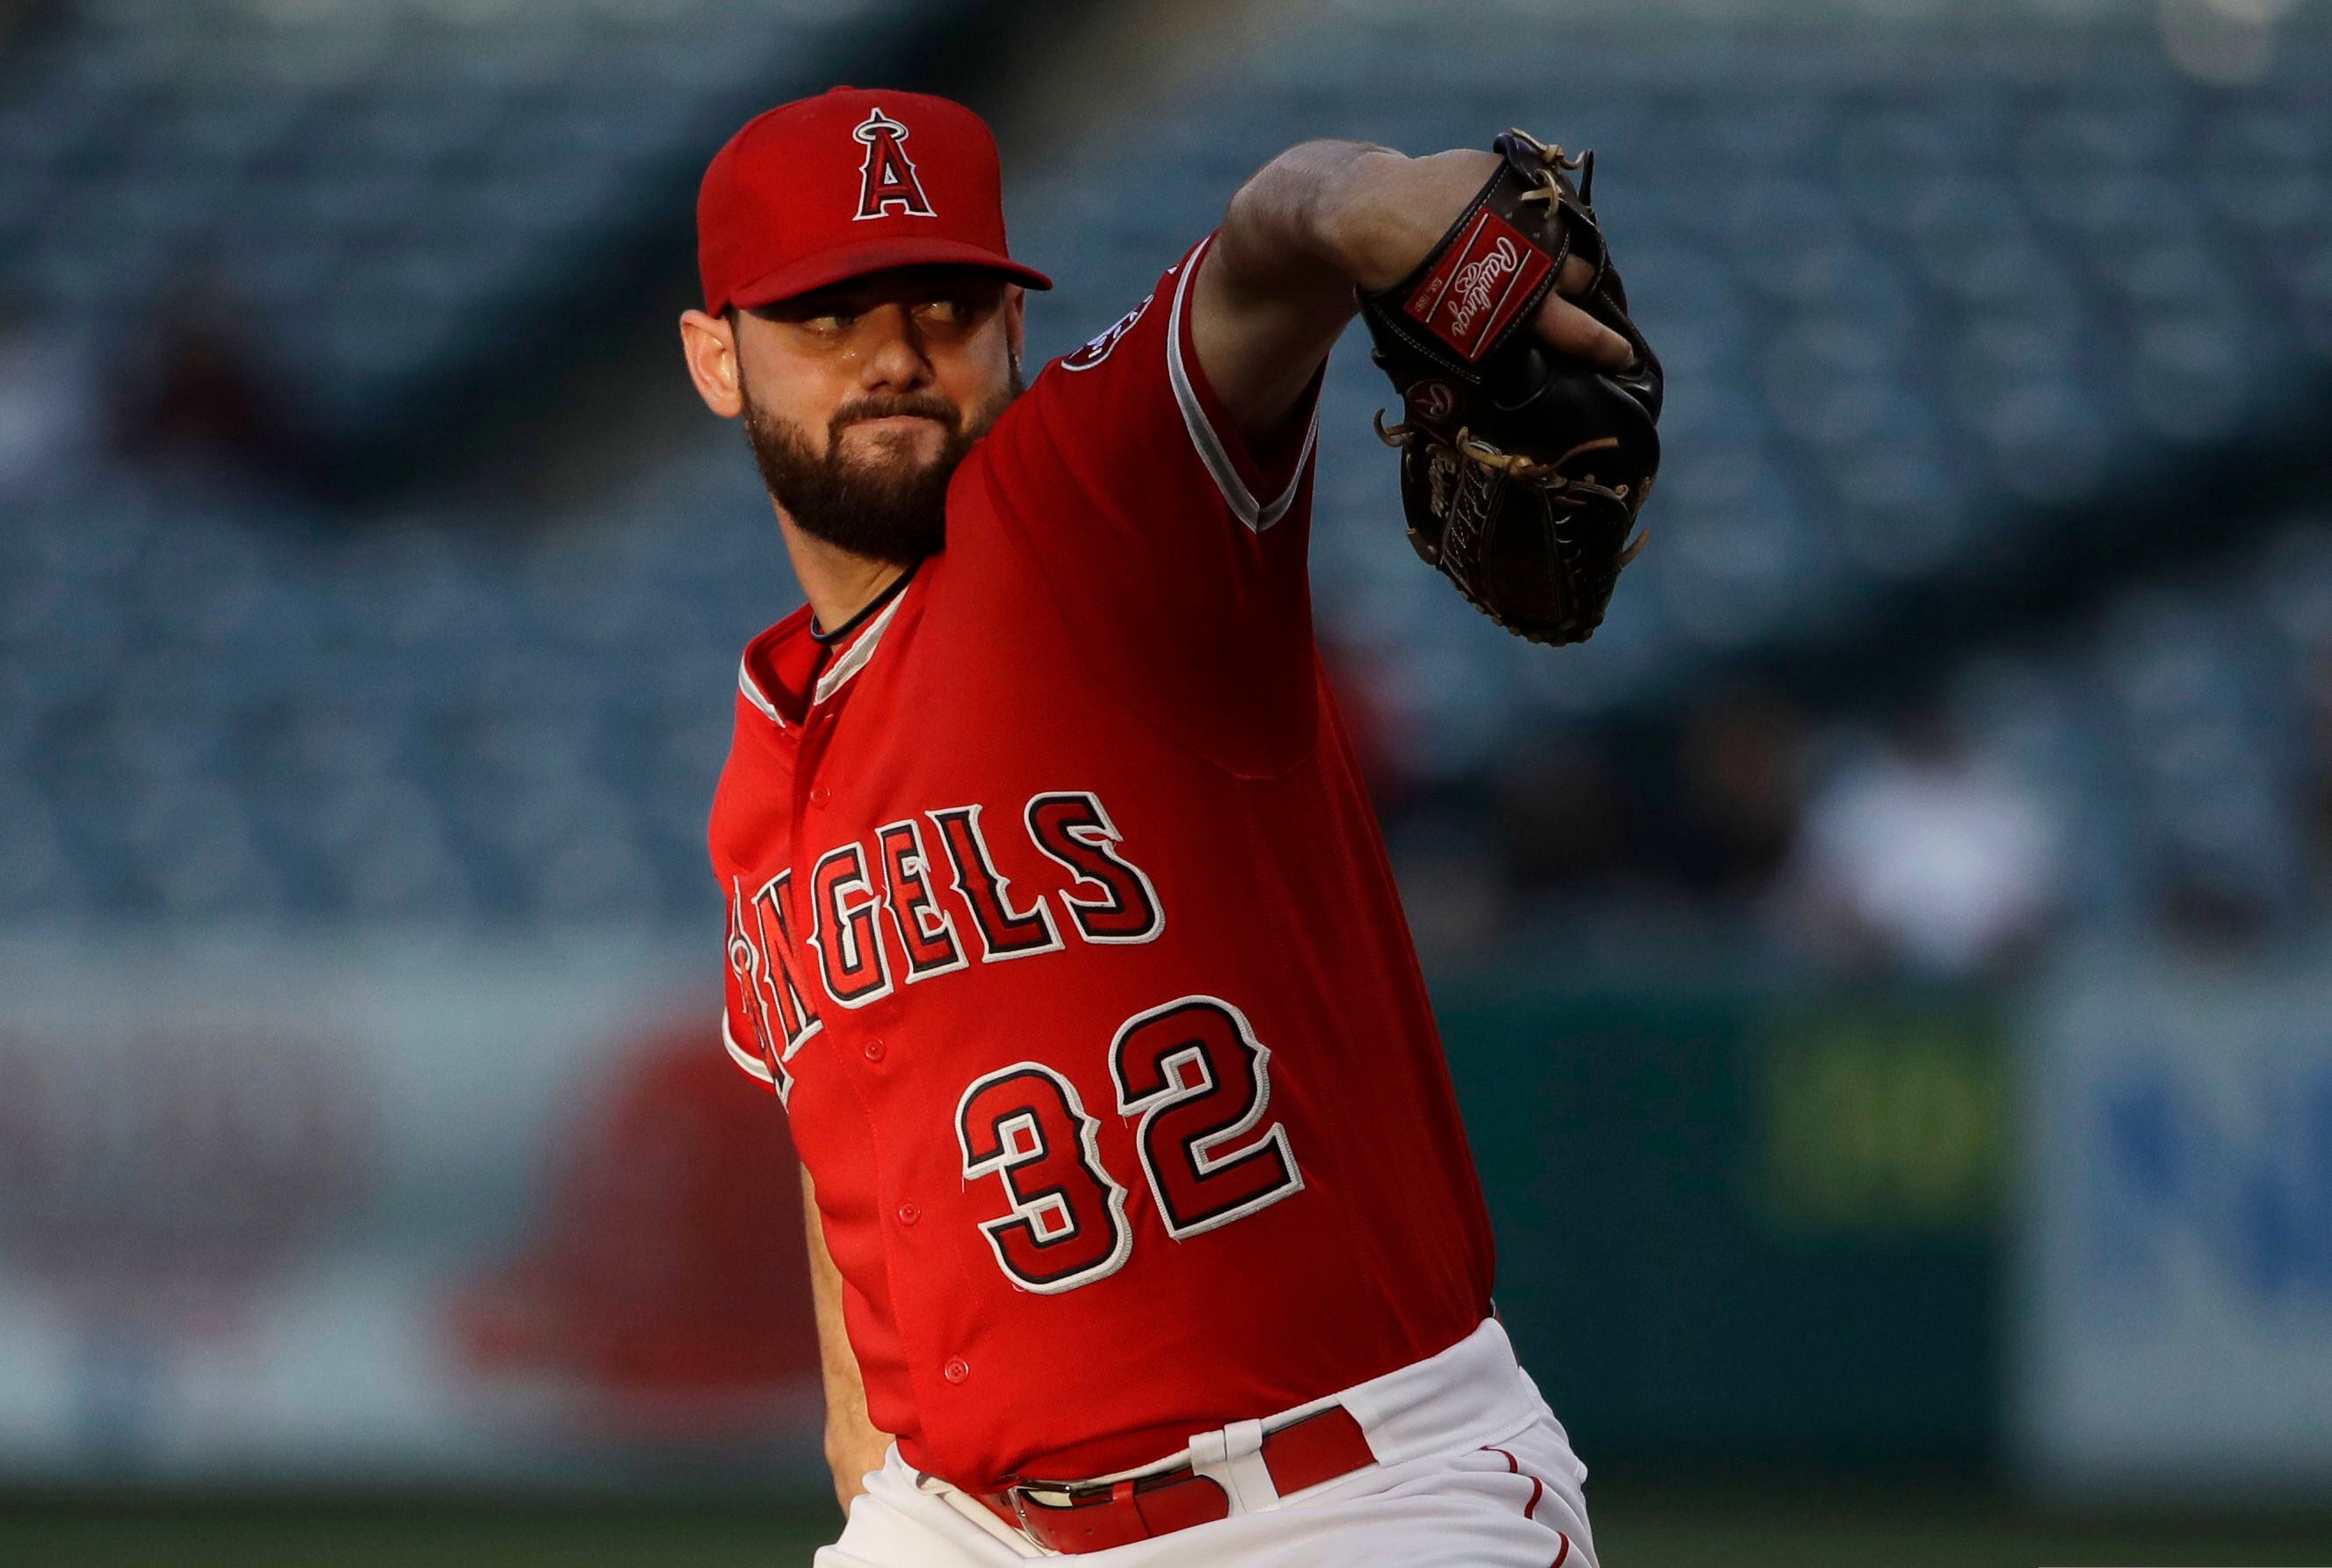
{"type": "Point", "coordinates": [849, 182]}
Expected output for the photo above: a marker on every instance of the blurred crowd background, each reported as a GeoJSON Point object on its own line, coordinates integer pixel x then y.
{"type": "Point", "coordinates": [1887, 968]}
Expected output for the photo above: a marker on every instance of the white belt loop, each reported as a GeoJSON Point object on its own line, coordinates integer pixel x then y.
{"type": "Point", "coordinates": [1233, 1456]}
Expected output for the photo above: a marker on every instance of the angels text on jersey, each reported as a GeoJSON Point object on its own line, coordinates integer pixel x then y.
{"type": "Point", "coordinates": [1191, 1070]}
{"type": "Point", "coordinates": [923, 899]}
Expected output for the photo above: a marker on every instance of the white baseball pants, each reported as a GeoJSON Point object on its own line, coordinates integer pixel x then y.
{"type": "Point", "coordinates": [1473, 1471]}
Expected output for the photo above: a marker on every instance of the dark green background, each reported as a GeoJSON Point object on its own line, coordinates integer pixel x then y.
{"type": "Point", "coordinates": [1741, 1226]}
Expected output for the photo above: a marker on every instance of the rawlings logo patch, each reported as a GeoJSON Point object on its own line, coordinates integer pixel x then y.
{"type": "Point", "coordinates": [1478, 284]}
{"type": "Point", "coordinates": [1472, 287]}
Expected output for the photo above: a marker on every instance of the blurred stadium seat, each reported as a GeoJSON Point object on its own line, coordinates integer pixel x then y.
{"type": "Point", "coordinates": [1918, 302]}
{"type": "Point", "coordinates": [399, 177]}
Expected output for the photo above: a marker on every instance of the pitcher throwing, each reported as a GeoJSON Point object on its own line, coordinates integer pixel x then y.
{"type": "Point", "coordinates": [1143, 1221]}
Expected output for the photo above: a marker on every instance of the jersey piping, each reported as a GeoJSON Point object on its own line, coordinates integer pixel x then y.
{"type": "Point", "coordinates": [854, 657]}
{"type": "Point", "coordinates": [849, 662]}
{"type": "Point", "coordinates": [754, 695]}
{"type": "Point", "coordinates": [745, 1059]}
{"type": "Point", "coordinates": [1256, 515]}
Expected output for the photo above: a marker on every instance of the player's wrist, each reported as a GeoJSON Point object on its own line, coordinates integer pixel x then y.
{"type": "Point", "coordinates": [1360, 220]}
{"type": "Point", "coordinates": [1393, 209]}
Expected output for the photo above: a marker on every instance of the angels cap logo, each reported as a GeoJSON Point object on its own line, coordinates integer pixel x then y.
{"type": "Point", "coordinates": [887, 181]}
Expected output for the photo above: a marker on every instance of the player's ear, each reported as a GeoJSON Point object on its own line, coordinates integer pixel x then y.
{"type": "Point", "coordinates": [709, 345]}
{"type": "Point", "coordinates": [1016, 319]}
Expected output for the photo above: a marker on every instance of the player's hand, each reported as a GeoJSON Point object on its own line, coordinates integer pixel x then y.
{"type": "Point", "coordinates": [1403, 207]}
{"type": "Point", "coordinates": [1573, 331]}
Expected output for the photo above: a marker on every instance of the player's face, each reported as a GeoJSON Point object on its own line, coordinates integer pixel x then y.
{"type": "Point", "coordinates": [861, 399]}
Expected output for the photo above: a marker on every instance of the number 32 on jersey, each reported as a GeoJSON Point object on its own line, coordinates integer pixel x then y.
{"type": "Point", "coordinates": [1194, 1073]}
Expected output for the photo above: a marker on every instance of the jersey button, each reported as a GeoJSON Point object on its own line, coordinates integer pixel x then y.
{"type": "Point", "coordinates": [819, 794]}
{"type": "Point", "coordinates": [909, 1213]}
{"type": "Point", "coordinates": [956, 1370]}
{"type": "Point", "coordinates": [872, 1051]}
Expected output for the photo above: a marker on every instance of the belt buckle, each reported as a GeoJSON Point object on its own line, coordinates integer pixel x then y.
{"type": "Point", "coordinates": [1082, 1494]}
{"type": "Point", "coordinates": [1073, 1494]}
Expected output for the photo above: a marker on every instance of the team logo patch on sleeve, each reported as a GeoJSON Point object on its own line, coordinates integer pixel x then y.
{"type": "Point", "coordinates": [1097, 346]}
{"type": "Point", "coordinates": [887, 181]}
{"type": "Point", "coordinates": [1478, 285]}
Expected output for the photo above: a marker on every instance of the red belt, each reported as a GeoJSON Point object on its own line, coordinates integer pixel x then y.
{"type": "Point", "coordinates": [1094, 1516]}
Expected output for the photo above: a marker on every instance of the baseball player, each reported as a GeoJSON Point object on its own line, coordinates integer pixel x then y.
{"type": "Point", "coordinates": [1142, 1224]}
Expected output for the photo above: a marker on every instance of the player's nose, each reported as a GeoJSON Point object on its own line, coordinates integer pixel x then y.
{"type": "Point", "coordinates": [893, 358]}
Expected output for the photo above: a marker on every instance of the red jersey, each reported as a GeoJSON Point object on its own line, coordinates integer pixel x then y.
{"type": "Point", "coordinates": [1059, 918]}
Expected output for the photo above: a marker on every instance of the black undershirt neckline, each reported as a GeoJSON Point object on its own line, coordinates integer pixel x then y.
{"type": "Point", "coordinates": [871, 608]}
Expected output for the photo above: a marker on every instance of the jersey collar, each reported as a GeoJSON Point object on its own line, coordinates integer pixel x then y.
{"type": "Point", "coordinates": [780, 675]}
{"type": "Point", "coordinates": [851, 658]}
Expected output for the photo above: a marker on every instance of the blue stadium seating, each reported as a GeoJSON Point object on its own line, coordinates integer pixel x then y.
{"type": "Point", "coordinates": [390, 175]}
{"type": "Point", "coordinates": [1912, 299]}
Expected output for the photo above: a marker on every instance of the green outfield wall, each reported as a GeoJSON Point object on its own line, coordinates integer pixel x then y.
{"type": "Point", "coordinates": [1748, 1226]}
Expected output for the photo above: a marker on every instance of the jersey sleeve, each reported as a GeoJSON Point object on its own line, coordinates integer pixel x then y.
{"type": "Point", "coordinates": [1175, 549]}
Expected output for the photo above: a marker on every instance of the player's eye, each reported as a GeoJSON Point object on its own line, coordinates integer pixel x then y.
{"type": "Point", "coordinates": [948, 312]}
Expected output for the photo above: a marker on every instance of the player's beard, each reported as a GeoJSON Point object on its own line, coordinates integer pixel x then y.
{"type": "Point", "coordinates": [882, 505]}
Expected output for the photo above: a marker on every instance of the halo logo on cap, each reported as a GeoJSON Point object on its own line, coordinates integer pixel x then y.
{"type": "Point", "coordinates": [887, 178]}
{"type": "Point", "coordinates": [821, 190]}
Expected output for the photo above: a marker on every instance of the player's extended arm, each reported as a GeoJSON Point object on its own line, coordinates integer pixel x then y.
{"type": "Point", "coordinates": [1275, 287]}
{"type": "Point", "coordinates": [852, 1445]}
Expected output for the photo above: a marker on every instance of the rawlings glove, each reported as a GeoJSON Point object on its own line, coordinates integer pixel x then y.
{"type": "Point", "coordinates": [1522, 468]}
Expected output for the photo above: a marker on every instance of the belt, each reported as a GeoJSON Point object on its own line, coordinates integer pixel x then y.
{"type": "Point", "coordinates": [1094, 1516]}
